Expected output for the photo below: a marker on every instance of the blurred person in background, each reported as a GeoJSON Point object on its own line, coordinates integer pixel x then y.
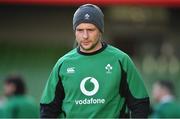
{"type": "Point", "coordinates": [95, 79]}
{"type": "Point", "coordinates": [17, 104]}
{"type": "Point", "coordinates": [164, 94]}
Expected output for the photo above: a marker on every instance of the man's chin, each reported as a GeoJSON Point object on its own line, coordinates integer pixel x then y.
{"type": "Point", "coordinates": [86, 48]}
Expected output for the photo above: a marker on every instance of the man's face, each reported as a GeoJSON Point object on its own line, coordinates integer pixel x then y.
{"type": "Point", "coordinates": [9, 89]}
{"type": "Point", "coordinates": [88, 37]}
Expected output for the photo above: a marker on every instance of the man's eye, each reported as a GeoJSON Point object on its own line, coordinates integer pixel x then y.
{"type": "Point", "coordinates": [91, 29]}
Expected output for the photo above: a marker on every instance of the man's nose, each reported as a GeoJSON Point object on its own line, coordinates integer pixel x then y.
{"type": "Point", "coordinates": [85, 34]}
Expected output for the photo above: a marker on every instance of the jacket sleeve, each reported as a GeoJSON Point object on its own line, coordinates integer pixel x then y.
{"type": "Point", "coordinates": [133, 90]}
{"type": "Point", "coordinates": [53, 95]}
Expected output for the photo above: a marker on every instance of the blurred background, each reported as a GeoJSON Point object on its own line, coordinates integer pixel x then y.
{"type": "Point", "coordinates": [35, 34]}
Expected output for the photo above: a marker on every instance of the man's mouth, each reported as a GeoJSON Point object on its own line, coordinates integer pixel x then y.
{"type": "Point", "coordinates": [86, 42]}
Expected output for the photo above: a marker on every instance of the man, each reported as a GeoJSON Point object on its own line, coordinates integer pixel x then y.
{"type": "Point", "coordinates": [163, 94]}
{"type": "Point", "coordinates": [18, 104]}
{"type": "Point", "coordinates": [95, 79]}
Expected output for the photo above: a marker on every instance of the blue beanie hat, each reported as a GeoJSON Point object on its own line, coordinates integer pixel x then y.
{"type": "Point", "coordinates": [89, 13]}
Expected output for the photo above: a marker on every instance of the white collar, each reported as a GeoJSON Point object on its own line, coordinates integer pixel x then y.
{"type": "Point", "coordinates": [167, 98]}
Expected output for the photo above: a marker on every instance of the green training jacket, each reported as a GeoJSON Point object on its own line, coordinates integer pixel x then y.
{"type": "Point", "coordinates": [19, 106]}
{"type": "Point", "coordinates": [101, 84]}
{"type": "Point", "coordinates": [170, 109]}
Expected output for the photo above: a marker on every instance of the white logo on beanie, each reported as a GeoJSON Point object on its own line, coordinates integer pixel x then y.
{"type": "Point", "coordinates": [86, 16]}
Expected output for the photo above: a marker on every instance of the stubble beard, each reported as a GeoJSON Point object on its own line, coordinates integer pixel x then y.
{"type": "Point", "coordinates": [91, 47]}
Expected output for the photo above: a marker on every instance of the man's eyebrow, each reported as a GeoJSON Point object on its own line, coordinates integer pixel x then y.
{"type": "Point", "coordinates": [85, 28]}
{"type": "Point", "coordinates": [79, 28]}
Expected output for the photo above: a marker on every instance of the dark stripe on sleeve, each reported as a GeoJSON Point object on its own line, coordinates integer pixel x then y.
{"type": "Point", "coordinates": [139, 107]}
{"type": "Point", "coordinates": [53, 109]}
{"type": "Point", "coordinates": [123, 113]}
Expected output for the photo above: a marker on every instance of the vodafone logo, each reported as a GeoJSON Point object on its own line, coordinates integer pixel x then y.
{"type": "Point", "coordinates": [89, 92]}
{"type": "Point", "coordinates": [92, 92]}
